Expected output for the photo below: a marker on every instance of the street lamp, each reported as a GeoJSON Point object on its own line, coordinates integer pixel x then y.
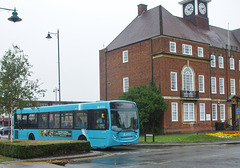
{"type": "Point", "coordinates": [55, 91]}
{"type": "Point", "coordinates": [59, 83]}
{"type": "Point", "coordinates": [14, 18]}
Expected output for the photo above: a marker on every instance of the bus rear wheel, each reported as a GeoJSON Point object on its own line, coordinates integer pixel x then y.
{"type": "Point", "coordinates": [31, 137]}
{"type": "Point", "coordinates": [82, 138]}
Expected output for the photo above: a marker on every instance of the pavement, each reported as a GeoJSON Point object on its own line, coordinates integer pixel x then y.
{"type": "Point", "coordinates": [55, 162]}
{"type": "Point", "coordinates": [189, 144]}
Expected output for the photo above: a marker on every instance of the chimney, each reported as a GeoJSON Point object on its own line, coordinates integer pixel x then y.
{"type": "Point", "coordinates": [141, 8]}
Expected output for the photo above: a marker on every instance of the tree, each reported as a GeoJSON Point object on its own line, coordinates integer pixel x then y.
{"type": "Point", "coordinates": [151, 106]}
{"type": "Point", "coordinates": [16, 89]}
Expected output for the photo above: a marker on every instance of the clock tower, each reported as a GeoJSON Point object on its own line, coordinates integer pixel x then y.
{"type": "Point", "coordinates": [196, 11]}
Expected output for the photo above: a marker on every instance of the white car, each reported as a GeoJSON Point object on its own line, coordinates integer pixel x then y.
{"type": "Point", "coordinates": [4, 130]}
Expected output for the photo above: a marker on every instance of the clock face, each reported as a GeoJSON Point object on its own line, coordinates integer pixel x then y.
{"type": "Point", "coordinates": [202, 8]}
{"type": "Point", "coordinates": [188, 10]}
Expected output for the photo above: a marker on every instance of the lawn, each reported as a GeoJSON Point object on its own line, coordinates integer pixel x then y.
{"type": "Point", "coordinates": [185, 138]}
{"type": "Point", "coordinates": [4, 159]}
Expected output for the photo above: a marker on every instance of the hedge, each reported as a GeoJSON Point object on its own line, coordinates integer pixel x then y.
{"type": "Point", "coordinates": [25, 149]}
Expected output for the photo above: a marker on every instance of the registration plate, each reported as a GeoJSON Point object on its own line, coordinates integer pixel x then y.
{"type": "Point", "coordinates": [127, 143]}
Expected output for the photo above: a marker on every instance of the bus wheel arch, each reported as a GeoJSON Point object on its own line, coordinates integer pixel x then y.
{"type": "Point", "coordinates": [31, 136]}
{"type": "Point", "coordinates": [82, 138]}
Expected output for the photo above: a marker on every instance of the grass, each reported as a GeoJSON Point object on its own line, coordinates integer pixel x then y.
{"type": "Point", "coordinates": [4, 158]}
{"type": "Point", "coordinates": [185, 138]}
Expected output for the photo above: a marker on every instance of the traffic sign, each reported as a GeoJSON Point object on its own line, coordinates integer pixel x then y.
{"type": "Point", "coordinates": [238, 111]}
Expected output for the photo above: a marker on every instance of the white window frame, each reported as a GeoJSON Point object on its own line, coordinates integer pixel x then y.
{"type": "Point", "coordinates": [173, 47]}
{"type": "Point", "coordinates": [221, 86]}
{"type": "Point", "coordinates": [200, 51]}
{"type": "Point", "coordinates": [214, 112]}
{"type": "Point", "coordinates": [232, 64]}
{"type": "Point", "coordinates": [232, 86]}
{"type": "Point", "coordinates": [125, 84]}
{"type": "Point", "coordinates": [213, 61]}
{"type": "Point", "coordinates": [187, 49]}
{"type": "Point", "coordinates": [174, 111]}
{"type": "Point", "coordinates": [239, 65]}
{"type": "Point", "coordinates": [202, 111]}
{"type": "Point", "coordinates": [201, 83]}
{"type": "Point", "coordinates": [220, 62]}
{"type": "Point", "coordinates": [213, 85]}
{"type": "Point", "coordinates": [188, 110]}
{"type": "Point", "coordinates": [222, 112]}
{"type": "Point", "coordinates": [173, 81]}
{"type": "Point", "coordinates": [188, 81]}
{"type": "Point", "coordinates": [125, 56]}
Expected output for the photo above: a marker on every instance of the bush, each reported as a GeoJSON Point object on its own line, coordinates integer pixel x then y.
{"type": "Point", "coordinates": [25, 149]}
{"type": "Point", "coordinates": [151, 106]}
{"type": "Point", "coordinates": [219, 126]}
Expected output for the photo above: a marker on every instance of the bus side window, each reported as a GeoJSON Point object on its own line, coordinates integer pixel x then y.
{"type": "Point", "coordinates": [32, 121]}
{"type": "Point", "coordinates": [98, 119]}
{"type": "Point", "coordinates": [80, 120]}
{"type": "Point", "coordinates": [18, 121]}
{"type": "Point", "coordinates": [24, 121]}
{"type": "Point", "coordinates": [43, 120]}
{"type": "Point", "coordinates": [54, 120]}
{"type": "Point", "coordinates": [67, 120]}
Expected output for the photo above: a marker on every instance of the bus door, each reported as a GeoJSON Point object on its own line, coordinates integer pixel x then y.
{"type": "Point", "coordinates": [20, 125]}
{"type": "Point", "coordinates": [98, 126]}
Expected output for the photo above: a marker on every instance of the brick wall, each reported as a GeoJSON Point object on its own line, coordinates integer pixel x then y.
{"type": "Point", "coordinates": [139, 71]}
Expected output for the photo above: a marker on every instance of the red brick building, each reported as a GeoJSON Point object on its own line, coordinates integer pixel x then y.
{"type": "Point", "coordinates": [197, 66]}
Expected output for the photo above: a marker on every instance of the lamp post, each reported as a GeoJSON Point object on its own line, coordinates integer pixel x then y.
{"type": "Point", "coordinates": [55, 91]}
{"type": "Point", "coordinates": [14, 18]}
{"type": "Point", "coordinates": [59, 81]}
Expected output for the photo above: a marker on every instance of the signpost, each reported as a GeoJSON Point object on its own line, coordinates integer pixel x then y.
{"type": "Point", "coordinates": [238, 112]}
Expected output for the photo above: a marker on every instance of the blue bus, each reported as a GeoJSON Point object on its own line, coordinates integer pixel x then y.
{"type": "Point", "coordinates": [103, 123]}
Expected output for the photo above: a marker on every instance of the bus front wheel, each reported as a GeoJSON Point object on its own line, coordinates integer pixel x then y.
{"type": "Point", "coordinates": [82, 138]}
{"type": "Point", "coordinates": [31, 137]}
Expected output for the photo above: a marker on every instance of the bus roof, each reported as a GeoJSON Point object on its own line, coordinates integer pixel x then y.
{"type": "Point", "coordinates": [70, 107]}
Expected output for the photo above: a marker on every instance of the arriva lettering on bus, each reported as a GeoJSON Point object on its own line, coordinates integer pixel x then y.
{"type": "Point", "coordinates": [100, 107]}
{"type": "Point", "coordinates": [126, 134]}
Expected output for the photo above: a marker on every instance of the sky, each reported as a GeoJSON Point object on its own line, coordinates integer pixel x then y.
{"type": "Point", "coordinates": [85, 27]}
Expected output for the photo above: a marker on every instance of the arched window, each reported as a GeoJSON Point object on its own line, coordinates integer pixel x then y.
{"type": "Point", "coordinates": [187, 79]}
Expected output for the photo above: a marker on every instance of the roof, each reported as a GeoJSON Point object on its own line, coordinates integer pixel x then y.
{"type": "Point", "coordinates": [158, 21]}
{"type": "Point", "coordinates": [186, 1]}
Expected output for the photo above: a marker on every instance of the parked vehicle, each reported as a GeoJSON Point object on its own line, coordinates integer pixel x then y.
{"type": "Point", "coordinates": [103, 123]}
{"type": "Point", "coordinates": [5, 130]}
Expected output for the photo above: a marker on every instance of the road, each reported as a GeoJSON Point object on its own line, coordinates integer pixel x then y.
{"type": "Point", "coordinates": [198, 156]}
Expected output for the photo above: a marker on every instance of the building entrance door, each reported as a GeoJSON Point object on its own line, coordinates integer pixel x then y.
{"type": "Point", "coordinates": [234, 116]}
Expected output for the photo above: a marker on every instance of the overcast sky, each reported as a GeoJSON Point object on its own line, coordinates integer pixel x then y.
{"type": "Point", "coordinates": [85, 28]}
